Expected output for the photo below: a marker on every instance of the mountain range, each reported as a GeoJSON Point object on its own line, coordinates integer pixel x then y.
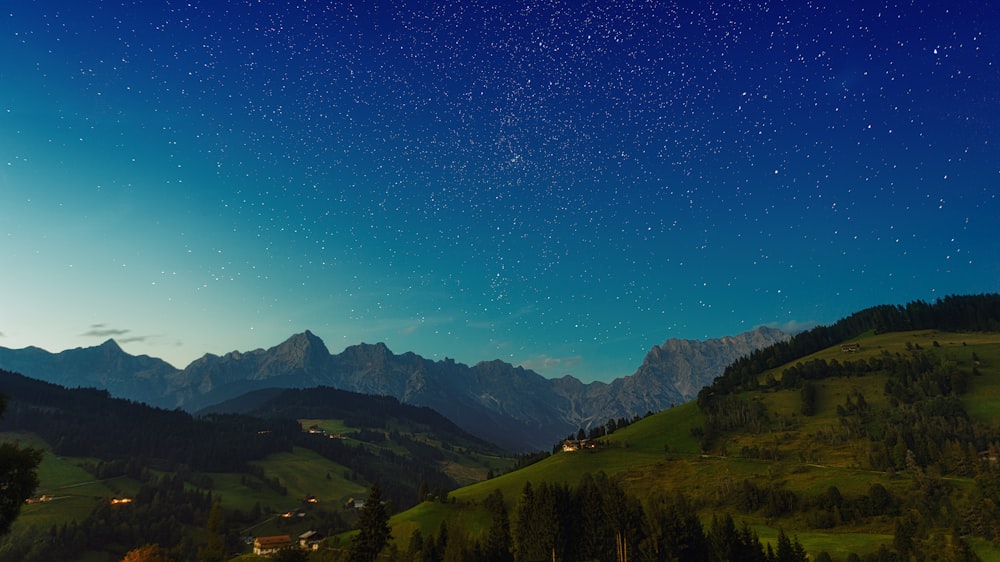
{"type": "Point", "coordinates": [513, 407]}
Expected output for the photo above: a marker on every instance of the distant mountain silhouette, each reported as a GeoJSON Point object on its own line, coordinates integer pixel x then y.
{"type": "Point", "coordinates": [106, 366]}
{"type": "Point", "coordinates": [514, 407]}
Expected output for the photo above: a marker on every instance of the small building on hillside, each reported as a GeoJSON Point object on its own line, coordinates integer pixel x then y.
{"type": "Point", "coordinates": [573, 445]}
{"type": "Point", "coordinates": [851, 347]}
{"type": "Point", "coordinates": [265, 546]}
{"type": "Point", "coordinates": [310, 540]}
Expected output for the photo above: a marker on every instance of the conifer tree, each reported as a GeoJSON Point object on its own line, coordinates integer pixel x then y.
{"type": "Point", "coordinates": [789, 550]}
{"type": "Point", "coordinates": [497, 547]}
{"type": "Point", "coordinates": [215, 549]}
{"type": "Point", "coordinates": [373, 525]}
{"type": "Point", "coordinates": [595, 539]}
{"type": "Point", "coordinates": [673, 531]}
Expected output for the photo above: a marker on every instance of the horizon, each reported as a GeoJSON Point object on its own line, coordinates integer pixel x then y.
{"type": "Point", "coordinates": [555, 185]}
{"type": "Point", "coordinates": [124, 349]}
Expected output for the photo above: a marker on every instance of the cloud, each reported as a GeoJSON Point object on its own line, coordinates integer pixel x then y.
{"type": "Point", "coordinates": [131, 339]}
{"type": "Point", "coordinates": [793, 326]}
{"type": "Point", "coordinates": [119, 334]}
{"type": "Point", "coordinates": [103, 331]}
{"type": "Point", "coordinates": [543, 362]}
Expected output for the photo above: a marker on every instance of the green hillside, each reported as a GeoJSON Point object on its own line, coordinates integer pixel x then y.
{"type": "Point", "coordinates": [859, 441]}
{"type": "Point", "coordinates": [796, 458]}
{"type": "Point", "coordinates": [270, 474]}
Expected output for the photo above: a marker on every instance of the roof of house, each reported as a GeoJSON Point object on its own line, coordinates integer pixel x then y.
{"type": "Point", "coordinates": [272, 542]}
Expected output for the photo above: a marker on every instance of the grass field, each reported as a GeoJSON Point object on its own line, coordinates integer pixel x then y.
{"type": "Point", "coordinates": [336, 427]}
{"type": "Point", "coordinates": [73, 490]}
{"type": "Point", "coordinates": [302, 472]}
{"type": "Point", "coordinates": [464, 465]}
{"type": "Point", "coordinates": [305, 473]}
{"type": "Point", "coordinates": [985, 551]}
{"type": "Point", "coordinates": [659, 453]}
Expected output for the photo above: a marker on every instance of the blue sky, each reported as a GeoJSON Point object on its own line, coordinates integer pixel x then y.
{"type": "Point", "coordinates": [560, 185]}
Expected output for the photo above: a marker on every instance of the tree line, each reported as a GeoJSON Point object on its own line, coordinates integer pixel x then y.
{"type": "Point", "coordinates": [595, 520]}
{"type": "Point", "coordinates": [952, 313]}
{"type": "Point", "coordinates": [86, 422]}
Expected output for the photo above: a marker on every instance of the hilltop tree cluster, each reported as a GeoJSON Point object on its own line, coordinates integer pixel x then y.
{"type": "Point", "coordinates": [601, 430]}
{"type": "Point", "coordinates": [952, 313]}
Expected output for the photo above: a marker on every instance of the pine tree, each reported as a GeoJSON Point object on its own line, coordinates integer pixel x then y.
{"type": "Point", "coordinates": [724, 539]}
{"type": "Point", "coordinates": [789, 550]}
{"type": "Point", "coordinates": [497, 547]}
{"type": "Point", "coordinates": [373, 525]}
{"type": "Point", "coordinates": [215, 549]}
{"type": "Point", "coordinates": [673, 531]}
{"type": "Point", "coordinates": [595, 538]}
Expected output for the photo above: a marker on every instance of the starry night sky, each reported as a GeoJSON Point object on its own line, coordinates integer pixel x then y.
{"type": "Point", "coordinates": [560, 185]}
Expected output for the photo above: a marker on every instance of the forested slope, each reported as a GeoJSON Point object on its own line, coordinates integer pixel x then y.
{"type": "Point", "coordinates": [883, 452]}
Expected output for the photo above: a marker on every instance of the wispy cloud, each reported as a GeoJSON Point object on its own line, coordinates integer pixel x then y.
{"type": "Point", "coordinates": [120, 334]}
{"type": "Point", "coordinates": [103, 331]}
{"type": "Point", "coordinates": [131, 339]}
{"type": "Point", "coordinates": [541, 363]}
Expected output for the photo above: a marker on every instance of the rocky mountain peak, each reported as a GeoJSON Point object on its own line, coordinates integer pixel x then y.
{"type": "Point", "coordinates": [368, 351]}
{"type": "Point", "coordinates": [110, 345]}
{"type": "Point", "coordinates": [511, 405]}
{"type": "Point", "coordinates": [685, 366]}
{"type": "Point", "coordinates": [304, 345]}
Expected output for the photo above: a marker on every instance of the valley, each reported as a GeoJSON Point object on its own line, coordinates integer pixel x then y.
{"type": "Point", "coordinates": [871, 446]}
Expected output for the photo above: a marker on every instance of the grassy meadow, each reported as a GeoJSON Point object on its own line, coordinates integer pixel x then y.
{"type": "Point", "coordinates": [71, 492]}
{"type": "Point", "coordinates": [659, 454]}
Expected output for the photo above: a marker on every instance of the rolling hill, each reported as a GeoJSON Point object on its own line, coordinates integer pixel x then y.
{"type": "Point", "coordinates": [99, 448]}
{"type": "Point", "coordinates": [875, 437]}
{"type": "Point", "coordinates": [880, 444]}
